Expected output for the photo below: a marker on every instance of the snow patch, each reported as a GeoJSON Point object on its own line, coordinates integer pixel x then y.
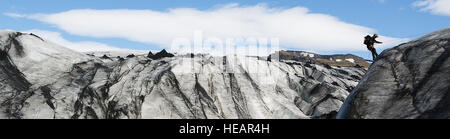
{"type": "Point", "coordinates": [351, 60]}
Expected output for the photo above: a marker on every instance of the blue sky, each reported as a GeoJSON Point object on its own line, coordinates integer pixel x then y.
{"type": "Point", "coordinates": [394, 19]}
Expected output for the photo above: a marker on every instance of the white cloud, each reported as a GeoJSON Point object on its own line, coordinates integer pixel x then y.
{"type": "Point", "coordinates": [439, 7]}
{"type": "Point", "coordinates": [14, 15]}
{"type": "Point", "coordinates": [295, 27]}
{"type": "Point", "coordinates": [85, 46]}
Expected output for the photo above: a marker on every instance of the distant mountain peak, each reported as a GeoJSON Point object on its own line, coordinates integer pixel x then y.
{"type": "Point", "coordinates": [342, 60]}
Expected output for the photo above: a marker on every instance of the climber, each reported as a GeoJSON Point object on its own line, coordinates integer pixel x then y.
{"type": "Point", "coordinates": [370, 42]}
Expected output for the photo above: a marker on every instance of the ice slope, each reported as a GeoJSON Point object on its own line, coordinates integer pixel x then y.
{"type": "Point", "coordinates": [409, 81]}
{"type": "Point", "coordinates": [39, 79]}
{"type": "Point", "coordinates": [39, 59]}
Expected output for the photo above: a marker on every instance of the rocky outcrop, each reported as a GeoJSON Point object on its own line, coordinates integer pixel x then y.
{"type": "Point", "coordinates": [406, 82]}
{"type": "Point", "coordinates": [163, 53]}
{"type": "Point", "coordinates": [131, 56]}
{"type": "Point", "coordinates": [48, 81]}
{"type": "Point", "coordinates": [150, 54]}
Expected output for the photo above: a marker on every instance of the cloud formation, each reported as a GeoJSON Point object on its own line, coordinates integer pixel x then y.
{"type": "Point", "coordinates": [439, 7]}
{"type": "Point", "coordinates": [295, 27]}
{"type": "Point", "coordinates": [14, 15]}
{"type": "Point", "coordinates": [85, 46]}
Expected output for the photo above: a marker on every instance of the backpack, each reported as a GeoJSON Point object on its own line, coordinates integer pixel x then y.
{"type": "Point", "coordinates": [367, 40]}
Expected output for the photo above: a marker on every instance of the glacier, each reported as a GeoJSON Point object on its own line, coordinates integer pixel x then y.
{"type": "Point", "coordinates": [42, 80]}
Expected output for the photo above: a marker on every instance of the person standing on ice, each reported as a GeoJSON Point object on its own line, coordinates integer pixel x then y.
{"type": "Point", "coordinates": [370, 42]}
